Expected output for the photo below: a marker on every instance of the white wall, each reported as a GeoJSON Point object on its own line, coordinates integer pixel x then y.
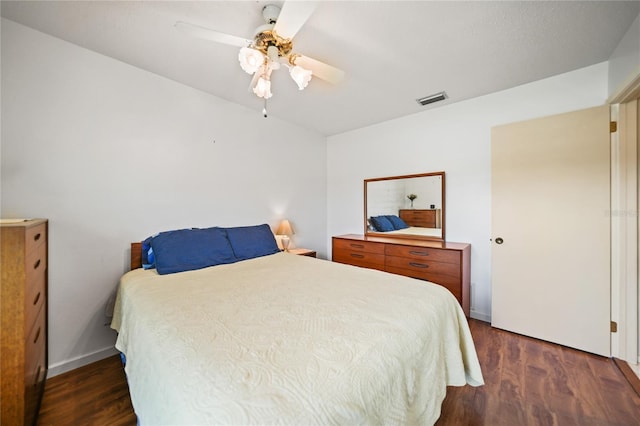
{"type": "Point", "coordinates": [624, 62]}
{"type": "Point", "coordinates": [111, 154]}
{"type": "Point", "coordinates": [454, 138]}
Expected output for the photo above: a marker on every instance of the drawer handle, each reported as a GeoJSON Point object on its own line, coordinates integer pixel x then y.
{"type": "Point", "coordinates": [418, 265]}
{"type": "Point", "coordinates": [419, 253]}
{"type": "Point", "coordinates": [359, 256]}
{"type": "Point", "coordinates": [37, 298]}
{"type": "Point", "coordinates": [35, 265]}
{"type": "Point", "coordinates": [357, 245]}
{"type": "Point", "coordinates": [35, 382]}
{"type": "Point", "coordinates": [37, 335]}
{"type": "Point", "coordinates": [36, 237]}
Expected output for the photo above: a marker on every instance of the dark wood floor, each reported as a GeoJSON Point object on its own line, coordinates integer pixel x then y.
{"type": "Point", "coordinates": [94, 395]}
{"type": "Point", "coordinates": [528, 382]}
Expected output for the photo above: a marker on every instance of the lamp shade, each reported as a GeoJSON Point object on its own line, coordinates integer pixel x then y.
{"type": "Point", "coordinates": [285, 228]}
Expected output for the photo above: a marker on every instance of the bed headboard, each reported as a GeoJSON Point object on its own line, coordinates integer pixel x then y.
{"type": "Point", "coordinates": [136, 255]}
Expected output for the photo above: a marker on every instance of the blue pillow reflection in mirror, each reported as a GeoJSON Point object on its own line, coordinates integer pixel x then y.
{"type": "Point", "coordinates": [396, 222]}
{"type": "Point", "coordinates": [381, 223]}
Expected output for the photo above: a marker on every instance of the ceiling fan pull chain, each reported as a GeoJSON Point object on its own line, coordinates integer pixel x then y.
{"type": "Point", "coordinates": [264, 109]}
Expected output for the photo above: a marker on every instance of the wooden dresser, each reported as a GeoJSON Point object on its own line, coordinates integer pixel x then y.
{"type": "Point", "coordinates": [444, 263]}
{"type": "Point", "coordinates": [425, 218]}
{"type": "Point", "coordinates": [24, 319]}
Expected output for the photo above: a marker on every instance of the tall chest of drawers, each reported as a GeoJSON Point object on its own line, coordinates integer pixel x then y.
{"type": "Point", "coordinates": [443, 263]}
{"type": "Point", "coordinates": [23, 253]}
{"type": "Point", "coordinates": [425, 218]}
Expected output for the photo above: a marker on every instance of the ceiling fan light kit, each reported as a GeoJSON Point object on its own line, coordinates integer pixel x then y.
{"type": "Point", "coordinates": [263, 88]}
{"type": "Point", "coordinates": [267, 52]}
{"type": "Point", "coordinates": [272, 47]}
{"type": "Point", "coordinates": [300, 75]}
{"type": "Point", "coordinates": [250, 59]}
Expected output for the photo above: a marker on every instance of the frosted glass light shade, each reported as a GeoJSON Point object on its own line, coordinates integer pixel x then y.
{"type": "Point", "coordinates": [263, 88]}
{"type": "Point", "coordinates": [250, 59]}
{"type": "Point", "coordinates": [301, 76]}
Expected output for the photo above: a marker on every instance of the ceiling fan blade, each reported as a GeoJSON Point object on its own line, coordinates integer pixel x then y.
{"type": "Point", "coordinates": [321, 70]}
{"type": "Point", "coordinates": [207, 34]}
{"type": "Point", "coordinates": [292, 17]}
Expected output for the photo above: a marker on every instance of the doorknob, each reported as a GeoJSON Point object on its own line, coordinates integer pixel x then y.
{"type": "Point", "coordinates": [499, 240]}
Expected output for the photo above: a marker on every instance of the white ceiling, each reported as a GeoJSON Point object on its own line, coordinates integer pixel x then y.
{"type": "Point", "coordinates": [392, 51]}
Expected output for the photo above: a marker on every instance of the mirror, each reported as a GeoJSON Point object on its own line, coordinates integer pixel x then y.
{"type": "Point", "coordinates": [417, 200]}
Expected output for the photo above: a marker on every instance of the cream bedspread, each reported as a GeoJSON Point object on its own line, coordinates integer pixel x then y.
{"type": "Point", "coordinates": [286, 339]}
{"type": "Point", "coordinates": [415, 230]}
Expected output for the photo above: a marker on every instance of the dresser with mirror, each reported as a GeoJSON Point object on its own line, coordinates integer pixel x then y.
{"type": "Point", "coordinates": [415, 244]}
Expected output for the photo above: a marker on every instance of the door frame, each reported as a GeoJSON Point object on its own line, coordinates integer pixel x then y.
{"type": "Point", "coordinates": [625, 221]}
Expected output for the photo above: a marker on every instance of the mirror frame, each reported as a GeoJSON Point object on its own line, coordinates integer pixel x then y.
{"type": "Point", "coordinates": [407, 236]}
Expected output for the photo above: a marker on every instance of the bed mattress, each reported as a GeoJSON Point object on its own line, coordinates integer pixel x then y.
{"type": "Point", "coordinates": [286, 339]}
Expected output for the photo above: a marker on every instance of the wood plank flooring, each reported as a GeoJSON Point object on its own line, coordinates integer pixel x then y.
{"type": "Point", "coordinates": [528, 382]}
{"type": "Point", "coordinates": [531, 382]}
{"type": "Point", "coordinates": [93, 395]}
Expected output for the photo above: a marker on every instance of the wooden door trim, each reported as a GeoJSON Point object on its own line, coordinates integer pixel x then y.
{"type": "Point", "coordinates": [628, 92]}
{"type": "Point", "coordinates": [624, 227]}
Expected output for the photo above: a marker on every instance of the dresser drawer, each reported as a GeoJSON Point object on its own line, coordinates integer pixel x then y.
{"type": "Point", "coordinates": [422, 218]}
{"type": "Point", "coordinates": [454, 285]}
{"type": "Point", "coordinates": [35, 368]}
{"type": "Point", "coordinates": [357, 246]}
{"type": "Point", "coordinates": [35, 236]}
{"type": "Point", "coordinates": [448, 281]}
{"type": "Point", "coordinates": [363, 259]}
{"type": "Point", "coordinates": [423, 265]}
{"type": "Point", "coordinates": [35, 345]}
{"type": "Point", "coordinates": [418, 213]}
{"type": "Point", "coordinates": [35, 296]}
{"type": "Point", "coordinates": [36, 264]}
{"type": "Point", "coordinates": [423, 253]}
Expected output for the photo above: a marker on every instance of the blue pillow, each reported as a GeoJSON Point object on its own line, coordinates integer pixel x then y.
{"type": "Point", "coordinates": [396, 222]}
{"type": "Point", "coordinates": [252, 241]}
{"type": "Point", "coordinates": [148, 259]}
{"type": "Point", "coordinates": [381, 223]}
{"type": "Point", "coordinates": [189, 249]}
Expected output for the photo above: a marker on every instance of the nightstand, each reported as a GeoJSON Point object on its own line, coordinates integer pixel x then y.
{"type": "Point", "coordinates": [303, 252]}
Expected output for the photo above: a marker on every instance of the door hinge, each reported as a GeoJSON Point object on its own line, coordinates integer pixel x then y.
{"type": "Point", "coordinates": [613, 126]}
{"type": "Point", "coordinates": [614, 327]}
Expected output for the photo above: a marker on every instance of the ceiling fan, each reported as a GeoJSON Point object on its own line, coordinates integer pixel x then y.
{"type": "Point", "coordinates": [272, 47]}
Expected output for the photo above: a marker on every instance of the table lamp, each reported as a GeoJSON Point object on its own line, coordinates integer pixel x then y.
{"type": "Point", "coordinates": [285, 231]}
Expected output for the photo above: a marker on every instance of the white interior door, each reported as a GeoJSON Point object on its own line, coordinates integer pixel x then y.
{"type": "Point", "coordinates": [550, 208]}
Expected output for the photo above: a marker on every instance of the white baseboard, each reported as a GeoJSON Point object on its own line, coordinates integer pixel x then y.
{"type": "Point", "coordinates": [81, 361]}
{"type": "Point", "coordinates": [480, 316]}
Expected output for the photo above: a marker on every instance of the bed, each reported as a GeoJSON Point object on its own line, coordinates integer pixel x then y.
{"type": "Point", "coordinates": [392, 224]}
{"type": "Point", "coordinates": [417, 230]}
{"type": "Point", "coordinates": [287, 339]}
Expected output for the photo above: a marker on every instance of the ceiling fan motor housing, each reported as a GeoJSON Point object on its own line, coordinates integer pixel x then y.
{"type": "Point", "coordinates": [267, 38]}
{"type": "Point", "coordinates": [270, 13]}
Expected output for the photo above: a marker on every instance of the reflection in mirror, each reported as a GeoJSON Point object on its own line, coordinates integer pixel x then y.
{"type": "Point", "coordinates": [410, 206]}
